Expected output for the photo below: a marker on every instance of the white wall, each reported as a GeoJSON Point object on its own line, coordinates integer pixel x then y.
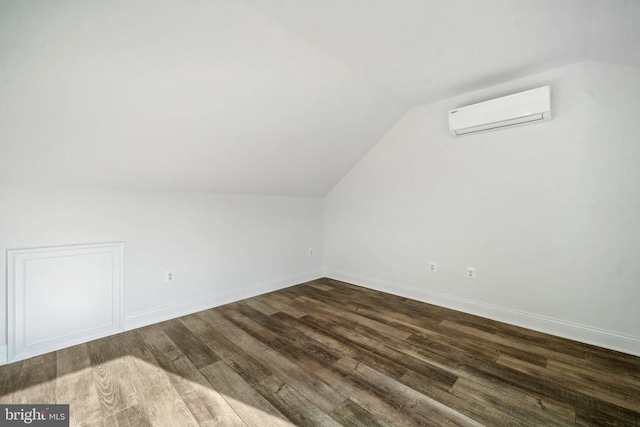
{"type": "Point", "coordinates": [191, 91]}
{"type": "Point", "coordinates": [221, 248]}
{"type": "Point", "coordinates": [548, 214]}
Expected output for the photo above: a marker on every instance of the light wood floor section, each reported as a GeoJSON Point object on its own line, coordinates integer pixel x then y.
{"type": "Point", "coordinates": [327, 353]}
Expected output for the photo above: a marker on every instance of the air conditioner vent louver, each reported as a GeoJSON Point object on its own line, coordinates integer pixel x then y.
{"type": "Point", "coordinates": [514, 110]}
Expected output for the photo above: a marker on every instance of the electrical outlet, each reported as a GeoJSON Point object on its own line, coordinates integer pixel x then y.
{"type": "Point", "coordinates": [168, 276]}
{"type": "Point", "coordinates": [310, 251]}
{"type": "Point", "coordinates": [433, 267]}
{"type": "Point", "coordinates": [471, 273]}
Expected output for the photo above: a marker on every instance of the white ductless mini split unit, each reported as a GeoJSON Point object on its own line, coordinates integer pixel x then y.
{"type": "Point", "coordinates": [531, 106]}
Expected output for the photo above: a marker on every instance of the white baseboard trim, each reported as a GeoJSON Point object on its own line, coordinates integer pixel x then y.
{"type": "Point", "coordinates": [166, 313]}
{"type": "Point", "coordinates": [3, 355]}
{"type": "Point", "coordinates": [574, 331]}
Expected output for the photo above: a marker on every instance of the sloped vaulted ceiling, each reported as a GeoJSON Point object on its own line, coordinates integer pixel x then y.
{"type": "Point", "coordinates": [278, 97]}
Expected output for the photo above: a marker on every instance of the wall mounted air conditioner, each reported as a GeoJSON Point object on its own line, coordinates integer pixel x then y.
{"type": "Point", "coordinates": [531, 106]}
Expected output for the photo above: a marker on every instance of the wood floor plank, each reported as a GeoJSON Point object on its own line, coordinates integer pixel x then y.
{"type": "Point", "coordinates": [479, 346]}
{"type": "Point", "coordinates": [549, 388]}
{"type": "Point", "coordinates": [198, 352]}
{"type": "Point", "coordinates": [600, 358]}
{"type": "Point", "coordinates": [624, 400]}
{"type": "Point", "coordinates": [111, 375]}
{"type": "Point", "coordinates": [321, 286]}
{"type": "Point", "coordinates": [409, 324]}
{"type": "Point", "coordinates": [356, 318]}
{"type": "Point", "coordinates": [494, 399]}
{"type": "Point", "coordinates": [432, 410]}
{"type": "Point", "coordinates": [351, 414]}
{"type": "Point", "coordinates": [162, 403]}
{"type": "Point", "coordinates": [318, 335]}
{"type": "Point", "coordinates": [350, 336]}
{"type": "Point", "coordinates": [10, 381]}
{"type": "Point", "coordinates": [346, 294]}
{"type": "Point", "coordinates": [133, 416]}
{"type": "Point", "coordinates": [254, 328]}
{"type": "Point", "coordinates": [613, 379]}
{"type": "Point", "coordinates": [254, 409]}
{"type": "Point", "coordinates": [552, 395]}
{"type": "Point", "coordinates": [548, 350]}
{"type": "Point", "coordinates": [39, 380]}
{"type": "Point", "coordinates": [292, 404]}
{"type": "Point", "coordinates": [382, 406]}
{"type": "Point", "coordinates": [449, 361]}
{"type": "Point", "coordinates": [239, 360]}
{"type": "Point", "coordinates": [282, 303]}
{"type": "Point", "coordinates": [479, 411]}
{"type": "Point", "coordinates": [290, 335]}
{"type": "Point", "coordinates": [75, 386]}
{"type": "Point", "coordinates": [385, 357]}
{"type": "Point", "coordinates": [204, 402]}
{"type": "Point", "coordinates": [329, 353]}
{"type": "Point", "coordinates": [262, 307]}
{"type": "Point", "coordinates": [30, 381]}
{"type": "Point", "coordinates": [312, 387]}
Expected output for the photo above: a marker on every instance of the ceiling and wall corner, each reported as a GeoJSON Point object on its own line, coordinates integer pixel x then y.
{"type": "Point", "coordinates": [259, 96]}
{"type": "Point", "coordinates": [195, 96]}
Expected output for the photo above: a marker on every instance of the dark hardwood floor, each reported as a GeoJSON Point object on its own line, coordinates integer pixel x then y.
{"type": "Point", "coordinates": [330, 353]}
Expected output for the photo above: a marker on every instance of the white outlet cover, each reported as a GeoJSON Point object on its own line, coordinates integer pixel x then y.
{"type": "Point", "coordinates": [471, 273]}
{"type": "Point", "coordinates": [433, 266]}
